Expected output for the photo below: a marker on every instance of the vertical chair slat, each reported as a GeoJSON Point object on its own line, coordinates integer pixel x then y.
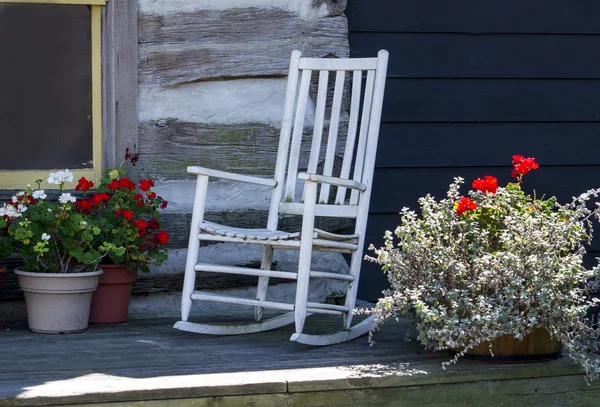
{"type": "Point", "coordinates": [284, 139]}
{"type": "Point", "coordinates": [351, 138]}
{"type": "Point", "coordinates": [333, 132]}
{"type": "Point", "coordinates": [364, 134]}
{"type": "Point", "coordinates": [319, 120]}
{"type": "Point", "coordinates": [290, 186]}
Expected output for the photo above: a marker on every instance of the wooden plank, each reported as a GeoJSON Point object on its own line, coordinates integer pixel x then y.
{"type": "Point", "coordinates": [483, 56]}
{"type": "Point", "coordinates": [209, 44]}
{"type": "Point", "coordinates": [483, 100]}
{"type": "Point", "coordinates": [464, 16]}
{"type": "Point", "coordinates": [119, 98]}
{"type": "Point", "coordinates": [402, 187]}
{"type": "Point", "coordinates": [404, 145]}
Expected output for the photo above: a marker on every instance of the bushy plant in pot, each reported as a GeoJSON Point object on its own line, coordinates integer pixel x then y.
{"type": "Point", "coordinates": [472, 272]}
{"type": "Point", "coordinates": [61, 254]}
{"type": "Point", "coordinates": [128, 216]}
{"type": "Point", "coordinates": [6, 242]}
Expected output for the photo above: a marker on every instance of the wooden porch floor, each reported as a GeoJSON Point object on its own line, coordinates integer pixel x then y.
{"type": "Point", "coordinates": [147, 362]}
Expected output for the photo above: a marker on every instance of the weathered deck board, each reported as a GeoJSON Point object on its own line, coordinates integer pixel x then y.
{"type": "Point", "coordinates": [146, 362]}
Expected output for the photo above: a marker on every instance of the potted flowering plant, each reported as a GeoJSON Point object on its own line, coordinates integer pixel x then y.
{"type": "Point", "coordinates": [61, 253]}
{"type": "Point", "coordinates": [6, 242]}
{"type": "Point", "coordinates": [473, 272]}
{"type": "Point", "coordinates": [127, 214]}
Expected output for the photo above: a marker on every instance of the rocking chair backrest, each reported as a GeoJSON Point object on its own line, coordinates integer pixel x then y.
{"type": "Point", "coordinates": [358, 158]}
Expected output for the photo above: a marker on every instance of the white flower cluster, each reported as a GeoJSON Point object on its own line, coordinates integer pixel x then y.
{"type": "Point", "coordinates": [60, 177]}
{"type": "Point", "coordinates": [11, 211]}
{"type": "Point", "coordinates": [514, 266]}
{"type": "Point", "coordinates": [66, 197]}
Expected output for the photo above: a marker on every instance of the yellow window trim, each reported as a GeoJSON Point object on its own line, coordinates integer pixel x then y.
{"type": "Point", "coordinates": [18, 179]}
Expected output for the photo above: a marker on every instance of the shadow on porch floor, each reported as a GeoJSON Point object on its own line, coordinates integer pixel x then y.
{"type": "Point", "coordinates": [147, 362]}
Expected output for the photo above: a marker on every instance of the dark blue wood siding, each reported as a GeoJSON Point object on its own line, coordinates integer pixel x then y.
{"type": "Point", "coordinates": [469, 85]}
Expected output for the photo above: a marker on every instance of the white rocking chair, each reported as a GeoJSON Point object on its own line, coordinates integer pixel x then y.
{"type": "Point", "coordinates": [352, 195]}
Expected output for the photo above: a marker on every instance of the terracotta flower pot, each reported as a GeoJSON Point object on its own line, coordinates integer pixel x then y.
{"type": "Point", "coordinates": [535, 347]}
{"type": "Point", "coordinates": [2, 270]}
{"type": "Point", "coordinates": [111, 300]}
{"type": "Point", "coordinates": [58, 302]}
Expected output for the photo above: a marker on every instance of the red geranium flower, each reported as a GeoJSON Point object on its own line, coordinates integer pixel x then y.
{"type": "Point", "coordinates": [128, 214]}
{"type": "Point", "coordinates": [163, 205]}
{"type": "Point", "coordinates": [152, 195]}
{"type": "Point", "coordinates": [162, 237]}
{"type": "Point", "coordinates": [141, 224]}
{"type": "Point", "coordinates": [126, 183]}
{"type": "Point", "coordinates": [86, 205]}
{"type": "Point", "coordinates": [465, 204]}
{"type": "Point", "coordinates": [522, 166]}
{"type": "Point", "coordinates": [146, 184]}
{"type": "Point", "coordinates": [489, 184]}
{"type": "Point", "coordinates": [113, 185]}
{"type": "Point", "coordinates": [84, 184]}
{"type": "Point", "coordinates": [99, 198]}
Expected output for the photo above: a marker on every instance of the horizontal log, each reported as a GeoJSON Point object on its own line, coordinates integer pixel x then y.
{"type": "Point", "coordinates": [168, 147]}
{"type": "Point", "coordinates": [491, 100]}
{"type": "Point", "coordinates": [404, 145]}
{"type": "Point", "coordinates": [465, 16]}
{"type": "Point", "coordinates": [483, 56]}
{"type": "Point", "coordinates": [203, 45]}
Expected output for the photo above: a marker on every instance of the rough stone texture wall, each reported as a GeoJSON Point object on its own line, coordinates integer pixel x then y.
{"type": "Point", "coordinates": [212, 78]}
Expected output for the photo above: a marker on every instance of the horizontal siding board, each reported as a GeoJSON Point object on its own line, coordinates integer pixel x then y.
{"type": "Point", "coordinates": [511, 16]}
{"type": "Point", "coordinates": [485, 100]}
{"type": "Point", "coordinates": [483, 56]}
{"type": "Point", "coordinates": [468, 144]}
{"type": "Point", "coordinates": [395, 188]}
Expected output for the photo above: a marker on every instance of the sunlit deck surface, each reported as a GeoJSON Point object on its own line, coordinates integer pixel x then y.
{"type": "Point", "coordinates": [147, 362]}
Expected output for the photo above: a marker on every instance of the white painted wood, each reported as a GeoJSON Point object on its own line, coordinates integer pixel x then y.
{"type": "Point", "coordinates": [193, 246]}
{"type": "Point", "coordinates": [369, 169]}
{"type": "Point", "coordinates": [308, 239]}
{"type": "Point", "coordinates": [238, 329]}
{"type": "Point", "coordinates": [334, 211]}
{"type": "Point", "coordinates": [334, 123]}
{"type": "Point", "coordinates": [313, 160]}
{"type": "Point", "coordinates": [339, 64]}
{"type": "Point", "coordinates": [347, 183]}
{"type": "Point", "coordinates": [340, 198]}
{"type": "Point", "coordinates": [290, 187]}
{"type": "Point", "coordinates": [231, 176]}
{"type": "Point", "coordinates": [284, 139]}
{"type": "Point", "coordinates": [308, 224]}
{"type": "Point", "coordinates": [338, 337]}
{"type": "Point", "coordinates": [263, 281]}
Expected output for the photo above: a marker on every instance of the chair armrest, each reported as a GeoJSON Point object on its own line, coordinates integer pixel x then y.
{"type": "Point", "coordinates": [338, 182]}
{"type": "Point", "coordinates": [231, 176]}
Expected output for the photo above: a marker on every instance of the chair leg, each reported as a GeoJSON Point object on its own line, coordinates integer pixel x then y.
{"type": "Point", "coordinates": [189, 281]}
{"type": "Point", "coordinates": [355, 263]}
{"type": "Point", "coordinates": [263, 281]}
{"type": "Point", "coordinates": [305, 256]}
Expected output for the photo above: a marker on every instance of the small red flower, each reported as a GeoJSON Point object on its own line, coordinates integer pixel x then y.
{"type": "Point", "coordinates": [163, 205]}
{"type": "Point", "coordinates": [137, 197]}
{"type": "Point", "coordinates": [154, 224]}
{"type": "Point", "coordinates": [113, 185]}
{"type": "Point", "coordinates": [126, 183]}
{"type": "Point", "coordinates": [83, 184]}
{"type": "Point", "coordinates": [152, 195]}
{"type": "Point", "coordinates": [128, 214]}
{"type": "Point", "coordinates": [162, 237]}
{"type": "Point", "coordinates": [86, 205]}
{"type": "Point", "coordinates": [488, 184]}
{"type": "Point", "coordinates": [465, 204]}
{"type": "Point", "coordinates": [30, 199]}
{"type": "Point", "coordinates": [99, 198]}
{"type": "Point", "coordinates": [523, 165]}
{"type": "Point", "coordinates": [119, 212]}
{"type": "Point", "coordinates": [139, 203]}
{"type": "Point", "coordinates": [146, 184]}
{"type": "Point", "coordinates": [141, 224]}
